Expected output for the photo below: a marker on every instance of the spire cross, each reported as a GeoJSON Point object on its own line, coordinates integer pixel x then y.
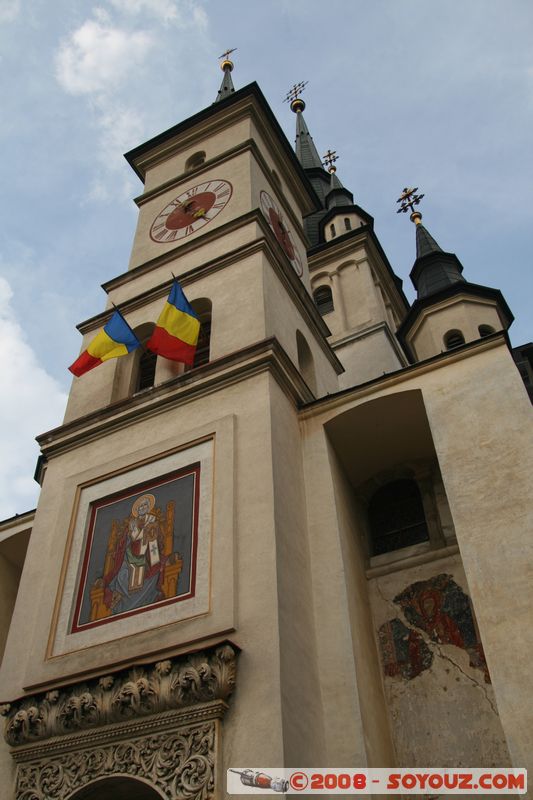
{"type": "Point", "coordinates": [329, 160]}
{"type": "Point", "coordinates": [295, 92]}
{"type": "Point", "coordinates": [226, 54]}
{"type": "Point", "coordinates": [409, 199]}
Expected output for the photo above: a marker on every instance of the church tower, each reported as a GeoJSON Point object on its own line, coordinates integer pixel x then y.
{"type": "Point", "coordinates": [299, 550]}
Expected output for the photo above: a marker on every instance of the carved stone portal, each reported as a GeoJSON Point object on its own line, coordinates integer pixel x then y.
{"type": "Point", "coordinates": [160, 724]}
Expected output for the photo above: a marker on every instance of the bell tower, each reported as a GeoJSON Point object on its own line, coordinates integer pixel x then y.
{"type": "Point", "coordinates": [163, 531]}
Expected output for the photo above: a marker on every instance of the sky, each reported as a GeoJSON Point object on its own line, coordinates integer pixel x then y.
{"type": "Point", "coordinates": [437, 95]}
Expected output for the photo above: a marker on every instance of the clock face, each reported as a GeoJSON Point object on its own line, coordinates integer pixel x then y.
{"type": "Point", "coordinates": [281, 231]}
{"type": "Point", "coordinates": [191, 210]}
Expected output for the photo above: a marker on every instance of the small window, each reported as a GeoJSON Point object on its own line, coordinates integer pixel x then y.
{"type": "Point", "coordinates": [323, 300]}
{"type": "Point", "coordinates": [396, 517]}
{"type": "Point", "coordinates": [485, 330]}
{"type": "Point", "coordinates": [194, 161]}
{"type": "Point", "coordinates": [146, 373]}
{"type": "Point", "coordinates": [454, 339]}
{"type": "Point", "coordinates": [332, 229]}
{"type": "Point", "coordinates": [145, 362]}
{"type": "Point", "coordinates": [204, 341]}
{"type": "Point", "coordinates": [347, 223]}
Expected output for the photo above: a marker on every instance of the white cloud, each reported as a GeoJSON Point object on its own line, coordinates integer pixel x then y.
{"type": "Point", "coordinates": [9, 10]}
{"type": "Point", "coordinates": [22, 410]}
{"type": "Point", "coordinates": [97, 57]}
{"type": "Point", "coordinates": [181, 12]}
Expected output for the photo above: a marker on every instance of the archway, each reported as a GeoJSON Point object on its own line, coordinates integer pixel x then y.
{"type": "Point", "coordinates": [118, 787]}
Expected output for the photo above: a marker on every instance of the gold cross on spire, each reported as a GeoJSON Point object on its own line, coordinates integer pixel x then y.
{"type": "Point", "coordinates": [329, 160]}
{"type": "Point", "coordinates": [409, 199]}
{"type": "Point", "coordinates": [226, 54]}
{"type": "Point", "coordinates": [295, 92]}
{"type": "Point", "coordinates": [293, 96]}
{"type": "Point", "coordinates": [226, 63]}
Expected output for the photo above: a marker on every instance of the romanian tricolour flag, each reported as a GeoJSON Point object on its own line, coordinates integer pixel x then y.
{"type": "Point", "coordinates": [175, 335]}
{"type": "Point", "coordinates": [115, 339]}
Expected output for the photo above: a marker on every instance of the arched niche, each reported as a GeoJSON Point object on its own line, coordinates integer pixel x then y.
{"type": "Point", "coordinates": [381, 442]}
{"type": "Point", "coordinates": [117, 787]}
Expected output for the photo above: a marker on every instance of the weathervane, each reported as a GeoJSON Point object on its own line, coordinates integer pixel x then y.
{"type": "Point", "coordinates": [293, 96]}
{"type": "Point", "coordinates": [329, 160]}
{"type": "Point", "coordinates": [226, 63]}
{"type": "Point", "coordinates": [409, 199]}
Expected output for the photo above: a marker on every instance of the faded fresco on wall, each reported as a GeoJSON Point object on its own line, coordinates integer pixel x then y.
{"type": "Point", "coordinates": [140, 550]}
{"type": "Point", "coordinates": [440, 609]}
{"type": "Point", "coordinates": [403, 651]}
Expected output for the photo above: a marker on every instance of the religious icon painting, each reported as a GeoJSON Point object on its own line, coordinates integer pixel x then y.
{"type": "Point", "coordinates": [137, 551]}
{"type": "Point", "coordinates": [140, 549]}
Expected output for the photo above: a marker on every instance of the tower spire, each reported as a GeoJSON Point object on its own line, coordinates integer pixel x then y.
{"type": "Point", "coordinates": [338, 195]}
{"type": "Point", "coordinates": [226, 65]}
{"type": "Point", "coordinates": [305, 147]}
{"type": "Point", "coordinates": [434, 269]}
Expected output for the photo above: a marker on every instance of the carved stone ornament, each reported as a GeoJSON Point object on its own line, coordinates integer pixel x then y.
{"type": "Point", "coordinates": [180, 763]}
{"type": "Point", "coordinates": [159, 724]}
{"type": "Point", "coordinates": [174, 683]}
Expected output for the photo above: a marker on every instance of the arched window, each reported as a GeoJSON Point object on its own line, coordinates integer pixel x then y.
{"type": "Point", "coordinates": [203, 308]}
{"type": "Point", "coordinates": [347, 223]}
{"type": "Point", "coordinates": [323, 300]}
{"type": "Point", "coordinates": [453, 339]}
{"type": "Point", "coordinates": [332, 229]}
{"type": "Point", "coordinates": [485, 330]}
{"type": "Point", "coordinates": [305, 362]}
{"type": "Point", "coordinates": [396, 517]}
{"type": "Point", "coordinates": [195, 160]}
{"type": "Point", "coordinates": [143, 375]}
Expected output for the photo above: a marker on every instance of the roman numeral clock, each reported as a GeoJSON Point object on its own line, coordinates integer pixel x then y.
{"type": "Point", "coordinates": [191, 210]}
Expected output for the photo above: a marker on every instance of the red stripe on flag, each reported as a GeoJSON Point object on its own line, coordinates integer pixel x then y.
{"type": "Point", "coordinates": [84, 363]}
{"type": "Point", "coordinates": [162, 343]}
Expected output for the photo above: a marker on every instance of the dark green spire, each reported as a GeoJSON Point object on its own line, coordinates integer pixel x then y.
{"type": "Point", "coordinates": [226, 87]}
{"type": "Point", "coordinates": [425, 243]}
{"type": "Point", "coordinates": [305, 147]}
{"type": "Point", "coordinates": [338, 195]}
{"type": "Point", "coordinates": [433, 269]}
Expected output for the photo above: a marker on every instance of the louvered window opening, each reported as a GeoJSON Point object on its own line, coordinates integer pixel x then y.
{"type": "Point", "coordinates": [324, 300]}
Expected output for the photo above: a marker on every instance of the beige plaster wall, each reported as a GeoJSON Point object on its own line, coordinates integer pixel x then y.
{"type": "Point", "coordinates": [462, 314]}
{"type": "Point", "coordinates": [303, 730]}
{"type": "Point", "coordinates": [238, 319]}
{"type": "Point", "coordinates": [291, 215]}
{"type": "Point", "coordinates": [236, 171]}
{"type": "Point", "coordinates": [9, 581]}
{"type": "Point", "coordinates": [366, 356]}
{"type": "Point", "coordinates": [379, 745]}
{"type": "Point", "coordinates": [244, 563]}
{"type": "Point", "coordinates": [345, 645]}
{"type": "Point", "coordinates": [340, 225]}
{"type": "Point", "coordinates": [283, 319]}
{"type": "Point", "coordinates": [446, 716]}
{"type": "Point", "coordinates": [213, 143]}
{"type": "Point", "coordinates": [480, 419]}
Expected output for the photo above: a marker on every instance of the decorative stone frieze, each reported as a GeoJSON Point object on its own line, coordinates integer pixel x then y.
{"type": "Point", "coordinates": [174, 683]}
{"type": "Point", "coordinates": [180, 763]}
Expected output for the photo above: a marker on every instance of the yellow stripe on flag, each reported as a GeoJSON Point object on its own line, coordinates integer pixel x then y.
{"type": "Point", "coordinates": [104, 347]}
{"type": "Point", "coordinates": [179, 324]}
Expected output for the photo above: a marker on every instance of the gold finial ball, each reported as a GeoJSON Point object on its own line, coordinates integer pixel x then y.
{"type": "Point", "coordinates": [297, 105]}
{"type": "Point", "coordinates": [332, 168]}
{"type": "Point", "coordinates": [416, 217]}
{"type": "Point", "coordinates": [226, 64]}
